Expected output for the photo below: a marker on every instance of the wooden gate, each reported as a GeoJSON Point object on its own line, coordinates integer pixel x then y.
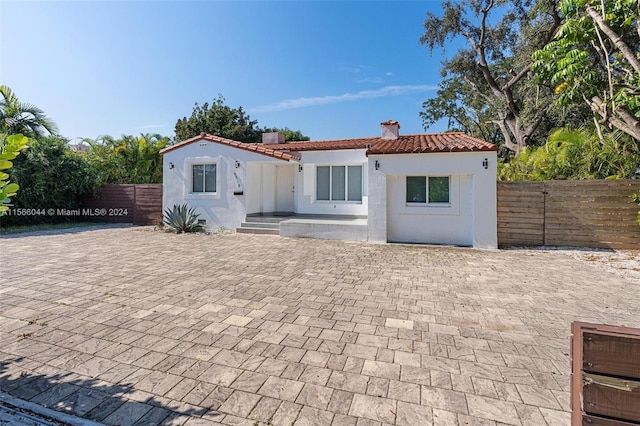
{"type": "Point", "coordinates": [578, 213]}
{"type": "Point", "coordinates": [605, 375]}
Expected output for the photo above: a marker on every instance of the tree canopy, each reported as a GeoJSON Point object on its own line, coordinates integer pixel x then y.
{"type": "Point", "coordinates": [232, 123]}
{"type": "Point", "coordinates": [50, 175]}
{"type": "Point", "coordinates": [575, 154]}
{"type": "Point", "coordinates": [128, 159]}
{"type": "Point", "coordinates": [593, 61]}
{"type": "Point", "coordinates": [21, 117]}
{"type": "Point", "coordinates": [487, 89]}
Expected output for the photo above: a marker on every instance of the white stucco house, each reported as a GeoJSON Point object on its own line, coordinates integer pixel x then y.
{"type": "Point", "coordinates": [425, 188]}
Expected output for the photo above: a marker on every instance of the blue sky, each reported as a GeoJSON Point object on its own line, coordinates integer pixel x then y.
{"type": "Point", "coordinates": [332, 69]}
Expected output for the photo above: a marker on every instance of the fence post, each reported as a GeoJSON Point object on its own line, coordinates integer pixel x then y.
{"type": "Point", "coordinates": [135, 204]}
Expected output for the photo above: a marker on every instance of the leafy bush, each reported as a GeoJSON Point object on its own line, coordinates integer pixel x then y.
{"type": "Point", "coordinates": [182, 218]}
{"type": "Point", "coordinates": [51, 176]}
{"type": "Point", "coordinates": [575, 154]}
{"type": "Point", "coordinates": [10, 148]}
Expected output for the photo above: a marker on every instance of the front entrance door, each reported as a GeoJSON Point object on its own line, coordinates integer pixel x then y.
{"type": "Point", "coordinates": [285, 188]}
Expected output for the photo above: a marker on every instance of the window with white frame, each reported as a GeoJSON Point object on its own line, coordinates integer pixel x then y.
{"type": "Point", "coordinates": [203, 178]}
{"type": "Point", "coordinates": [423, 190]}
{"type": "Point", "coordinates": [339, 183]}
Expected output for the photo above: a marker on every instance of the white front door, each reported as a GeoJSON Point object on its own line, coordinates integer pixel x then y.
{"type": "Point", "coordinates": [285, 188]}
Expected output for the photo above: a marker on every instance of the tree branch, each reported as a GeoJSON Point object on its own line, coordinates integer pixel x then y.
{"type": "Point", "coordinates": [533, 126]}
{"type": "Point", "coordinates": [630, 120]}
{"type": "Point", "coordinates": [516, 78]}
{"type": "Point", "coordinates": [508, 141]}
{"type": "Point", "coordinates": [482, 58]}
{"type": "Point", "coordinates": [557, 20]}
{"type": "Point", "coordinates": [621, 118]}
{"type": "Point", "coordinates": [615, 38]}
{"type": "Point", "coordinates": [483, 26]}
{"type": "Point", "coordinates": [484, 96]}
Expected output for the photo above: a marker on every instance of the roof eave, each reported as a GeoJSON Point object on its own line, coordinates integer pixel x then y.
{"type": "Point", "coordinates": [439, 151]}
{"type": "Point", "coordinates": [234, 144]}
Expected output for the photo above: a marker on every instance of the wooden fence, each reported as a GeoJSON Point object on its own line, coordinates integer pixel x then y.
{"type": "Point", "coordinates": [585, 213]}
{"type": "Point", "coordinates": [605, 375]}
{"type": "Point", "coordinates": [137, 204]}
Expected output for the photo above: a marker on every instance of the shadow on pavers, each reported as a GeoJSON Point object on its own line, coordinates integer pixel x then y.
{"type": "Point", "coordinates": [62, 231]}
{"type": "Point", "coordinates": [87, 398]}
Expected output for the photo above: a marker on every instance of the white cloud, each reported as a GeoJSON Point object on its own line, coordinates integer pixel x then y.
{"type": "Point", "coordinates": [345, 97]}
{"type": "Point", "coordinates": [374, 80]}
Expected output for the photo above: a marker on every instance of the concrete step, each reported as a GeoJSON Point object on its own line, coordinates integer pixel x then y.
{"type": "Point", "coordinates": [265, 225]}
{"type": "Point", "coordinates": [266, 219]}
{"type": "Point", "coordinates": [249, 230]}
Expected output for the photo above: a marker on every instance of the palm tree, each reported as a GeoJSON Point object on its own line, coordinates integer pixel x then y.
{"type": "Point", "coordinates": [20, 117]}
{"type": "Point", "coordinates": [128, 159]}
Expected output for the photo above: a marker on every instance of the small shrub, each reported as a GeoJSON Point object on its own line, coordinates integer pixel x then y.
{"type": "Point", "coordinates": [182, 218]}
{"type": "Point", "coordinates": [51, 176]}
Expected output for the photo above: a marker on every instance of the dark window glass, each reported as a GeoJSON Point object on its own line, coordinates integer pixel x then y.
{"type": "Point", "coordinates": [198, 178]}
{"type": "Point", "coordinates": [416, 189]}
{"type": "Point", "coordinates": [439, 189]}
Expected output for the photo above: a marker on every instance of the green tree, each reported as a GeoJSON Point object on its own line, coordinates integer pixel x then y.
{"type": "Point", "coordinates": [128, 159]}
{"type": "Point", "coordinates": [24, 118]}
{"type": "Point", "coordinates": [464, 109]}
{"type": "Point", "coordinates": [575, 154]}
{"type": "Point", "coordinates": [10, 148]}
{"type": "Point", "coordinates": [488, 82]}
{"type": "Point", "coordinates": [50, 175]}
{"type": "Point", "coordinates": [220, 120]}
{"type": "Point", "coordinates": [231, 123]}
{"type": "Point", "coordinates": [593, 60]}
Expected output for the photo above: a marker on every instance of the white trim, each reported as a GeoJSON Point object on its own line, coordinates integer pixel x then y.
{"type": "Point", "coordinates": [346, 183]}
{"type": "Point", "coordinates": [189, 162]}
{"type": "Point", "coordinates": [450, 208]}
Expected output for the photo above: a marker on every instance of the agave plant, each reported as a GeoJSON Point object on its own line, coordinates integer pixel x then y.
{"type": "Point", "coordinates": [182, 218]}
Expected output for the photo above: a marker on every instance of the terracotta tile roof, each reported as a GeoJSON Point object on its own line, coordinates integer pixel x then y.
{"type": "Point", "coordinates": [405, 144]}
{"type": "Point", "coordinates": [255, 147]}
{"type": "Point", "coordinates": [329, 145]}
{"type": "Point", "coordinates": [440, 142]}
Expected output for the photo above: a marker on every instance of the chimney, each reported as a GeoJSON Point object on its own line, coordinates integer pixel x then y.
{"type": "Point", "coordinates": [390, 129]}
{"type": "Point", "coordinates": [272, 138]}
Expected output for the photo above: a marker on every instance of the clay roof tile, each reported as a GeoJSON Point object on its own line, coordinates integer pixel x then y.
{"type": "Point", "coordinates": [404, 144]}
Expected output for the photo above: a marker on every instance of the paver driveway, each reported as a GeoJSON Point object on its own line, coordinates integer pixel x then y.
{"type": "Point", "coordinates": [129, 326]}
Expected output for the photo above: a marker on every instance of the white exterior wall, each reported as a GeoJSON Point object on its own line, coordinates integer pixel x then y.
{"type": "Point", "coordinates": [443, 224]}
{"type": "Point", "coordinates": [305, 196]}
{"type": "Point", "coordinates": [473, 188]}
{"type": "Point", "coordinates": [471, 218]}
{"type": "Point", "coordinates": [223, 209]}
{"type": "Point", "coordinates": [253, 174]}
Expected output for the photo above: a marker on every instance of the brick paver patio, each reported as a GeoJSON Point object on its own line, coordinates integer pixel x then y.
{"type": "Point", "coordinates": [128, 326]}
